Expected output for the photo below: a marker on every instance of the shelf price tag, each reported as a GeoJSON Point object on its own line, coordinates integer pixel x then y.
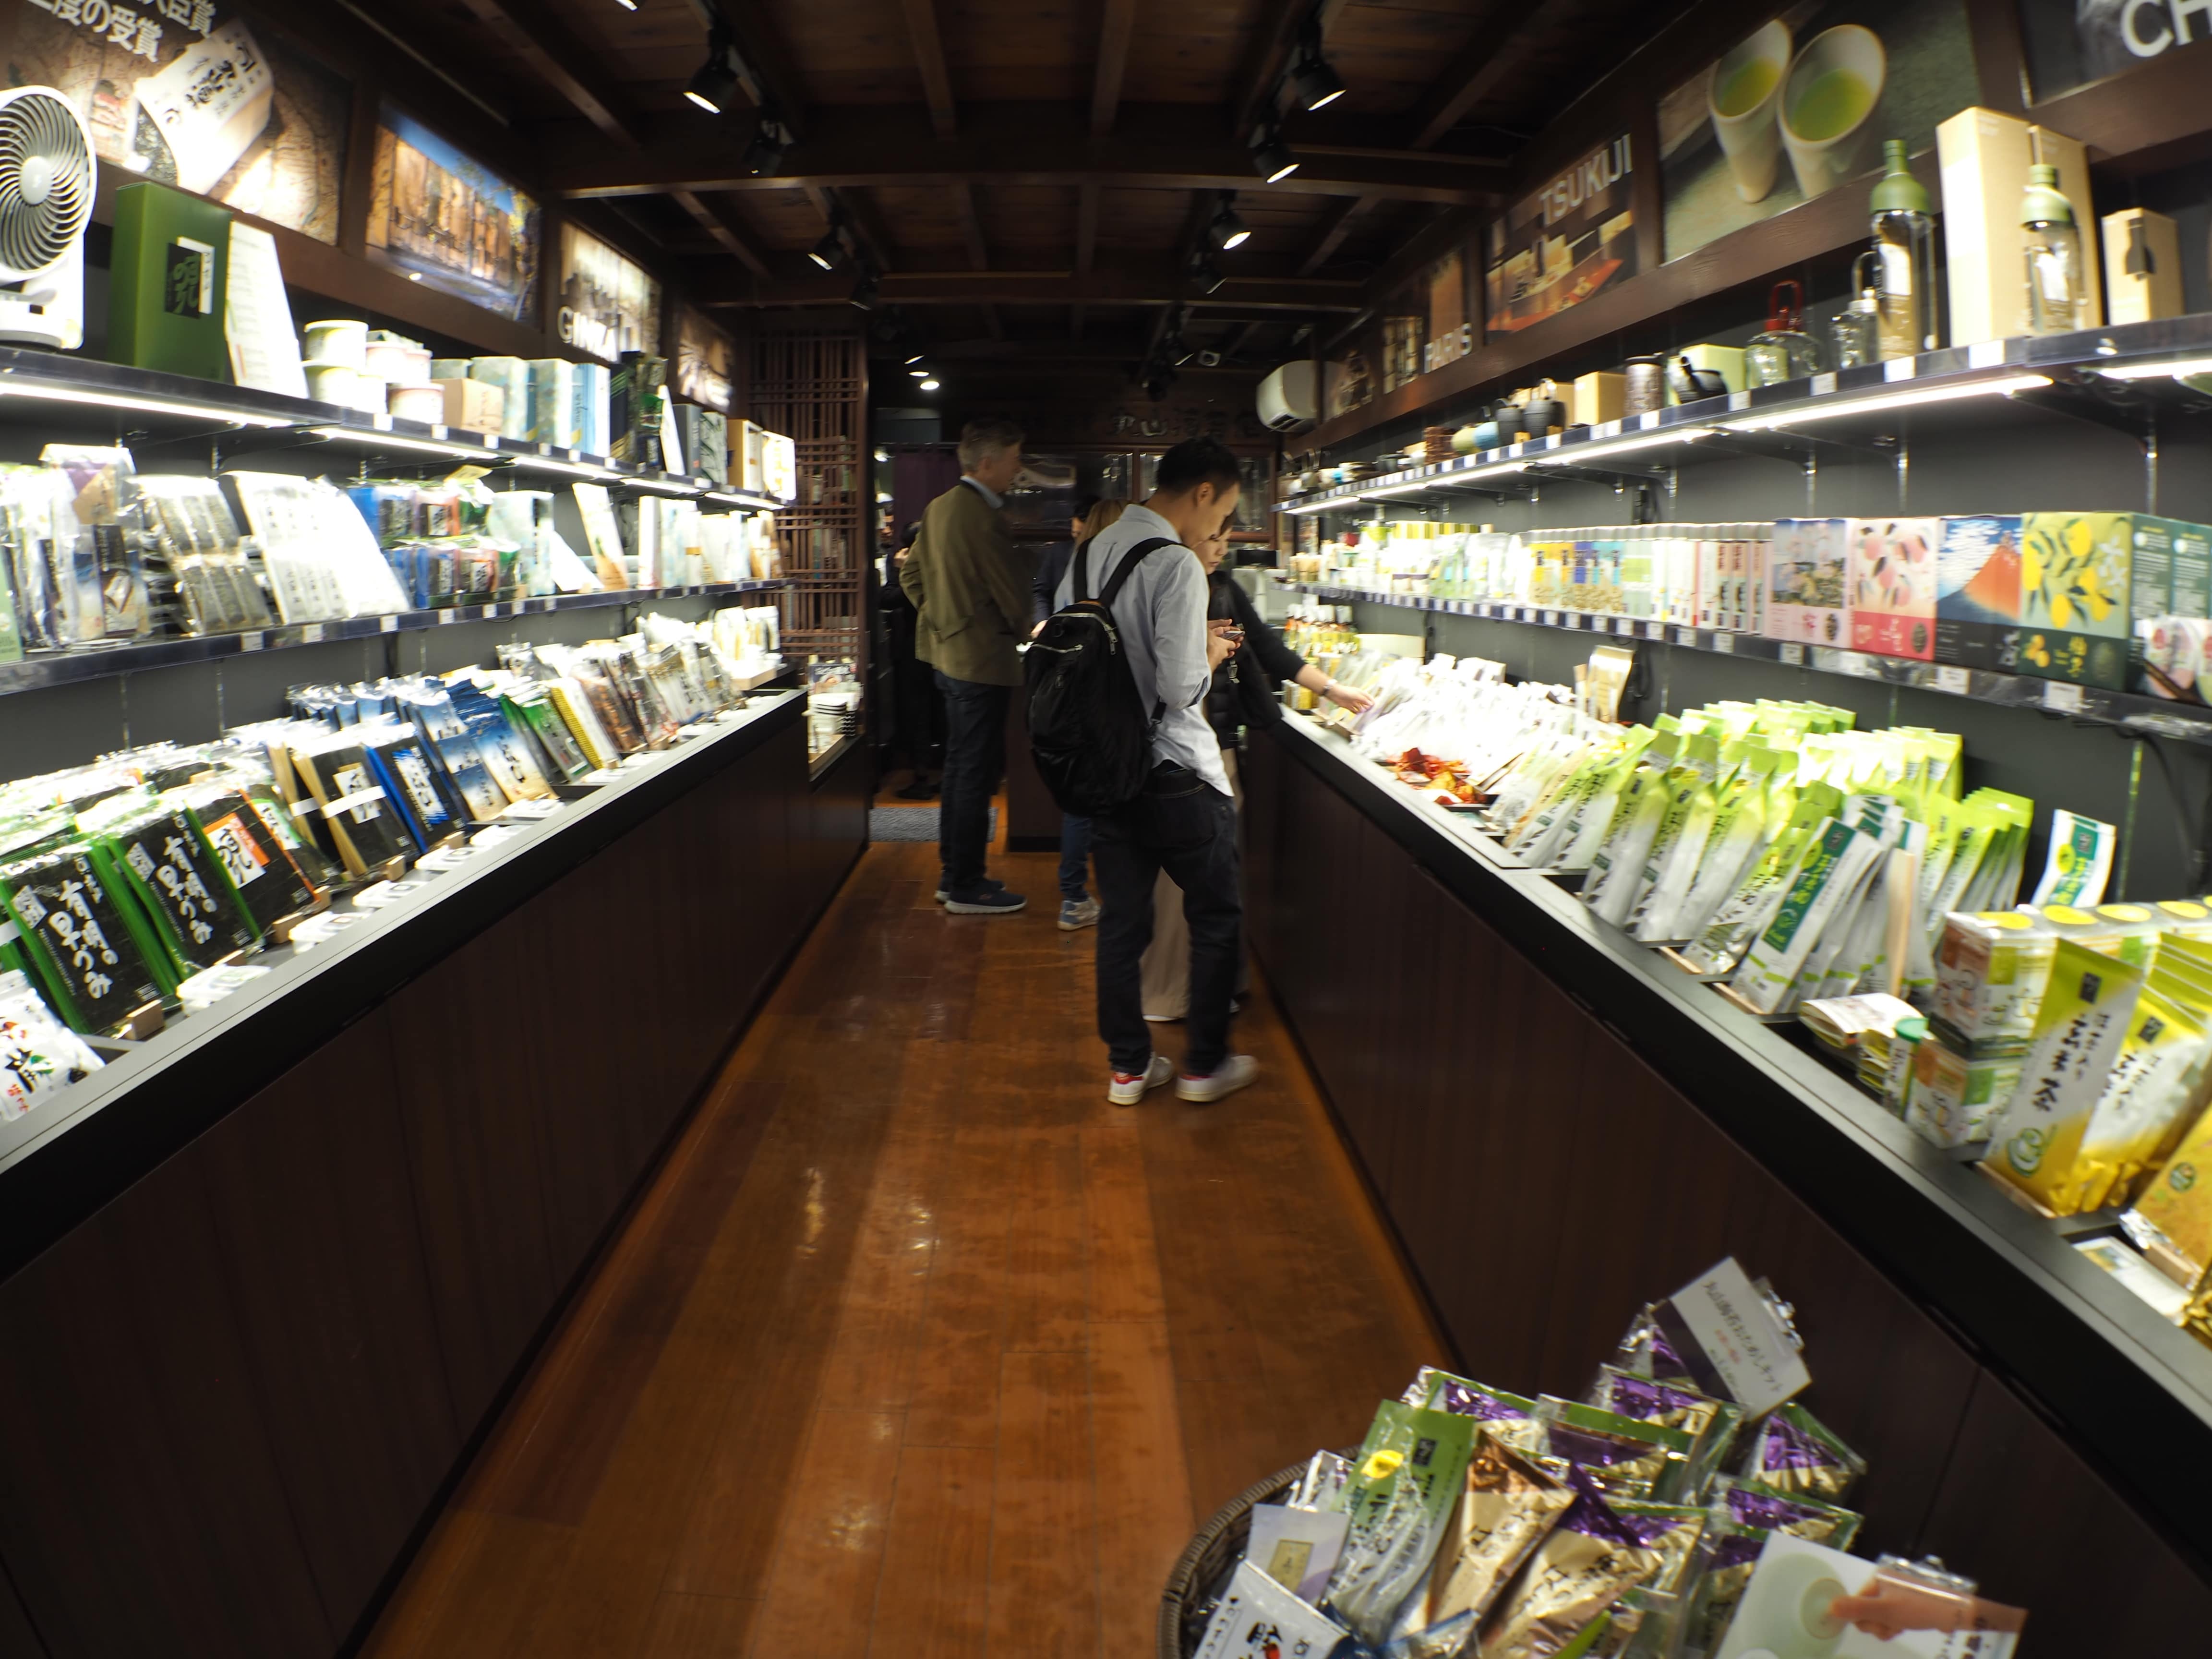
{"type": "Point", "coordinates": [1956, 681]}
{"type": "Point", "coordinates": [1624, 625]}
{"type": "Point", "coordinates": [1792, 652]}
{"type": "Point", "coordinates": [2061, 696]}
{"type": "Point", "coordinates": [388, 624]}
{"type": "Point", "coordinates": [1685, 636]}
{"type": "Point", "coordinates": [1550, 619]}
{"type": "Point", "coordinates": [1725, 644]}
{"type": "Point", "coordinates": [311, 634]}
{"type": "Point", "coordinates": [1574, 619]}
{"type": "Point", "coordinates": [252, 641]}
{"type": "Point", "coordinates": [1653, 630]}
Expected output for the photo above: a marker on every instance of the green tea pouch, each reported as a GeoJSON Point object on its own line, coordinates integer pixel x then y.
{"type": "Point", "coordinates": [1560, 1602]}
{"type": "Point", "coordinates": [1406, 1481]}
{"type": "Point", "coordinates": [1746, 911]}
{"type": "Point", "coordinates": [2145, 1098]}
{"type": "Point", "coordinates": [1711, 1422]}
{"type": "Point", "coordinates": [1733, 845]}
{"type": "Point", "coordinates": [1792, 1452]}
{"type": "Point", "coordinates": [1617, 865]}
{"type": "Point", "coordinates": [2087, 1013]}
{"type": "Point", "coordinates": [1680, 844]}
{"type": "Point", "coordinates": [1834, 864]}
{"type": "Point", "coordinates": [1508, 1507]}
{"type": "Point", "coordinates": [2077, 861]}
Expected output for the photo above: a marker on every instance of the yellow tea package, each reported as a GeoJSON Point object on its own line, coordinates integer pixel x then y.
{"type": "Point", "coordinates": [2172, 1220]}
{"type": "Point", "coordinates": [2087, 1013]}
{"type": "Point", "coordinates": [1954, 1097]}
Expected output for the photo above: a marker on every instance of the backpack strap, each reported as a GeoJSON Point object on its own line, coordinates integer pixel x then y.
{"type": "Point", "coordinates": [1082, 588]}
{"type": "Point", "coordinates": [1136, 556]}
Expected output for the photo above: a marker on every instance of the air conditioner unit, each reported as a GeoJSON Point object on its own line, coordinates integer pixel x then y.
{"type": "Point", "coordinates": [1290, 398]}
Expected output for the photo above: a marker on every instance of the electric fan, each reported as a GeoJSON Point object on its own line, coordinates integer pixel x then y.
{"type": "Point", "coordinates": [45, 201]}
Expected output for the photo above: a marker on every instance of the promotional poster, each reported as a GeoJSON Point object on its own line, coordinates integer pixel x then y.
{"type": "Point", "coordinates": [608, 305]}
{"type": "Point", "coordinates": [185, 93]}
{"type": "Point", "coordinates": [705, 362]}
{"type": "Point", "coordinates": [1570, 240]}
{"type": "Point", "coordinates": [1802, 104]}
{"type": "Point", "coordinates": [452, 223]}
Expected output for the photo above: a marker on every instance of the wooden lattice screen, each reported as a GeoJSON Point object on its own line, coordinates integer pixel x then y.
{"type": "Point", "coordinates": [814, 387]}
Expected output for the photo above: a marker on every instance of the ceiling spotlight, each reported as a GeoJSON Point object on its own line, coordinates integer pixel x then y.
{"type": "Point", "coordinates": [928, 385]}
{"type": "Point", "coordinates": [715, 81]}
{"type": "Point", "coordinates": [829, 252]}
{"type": "Point", "coordinates": [626, 5]}
{"type": "Point", "coordinates": [1317, 82]}
{"type": "Point", "coordinates": [1270, 157]}
{"type": "Point", "coordinates": [865, 290]}
{"type": "Point", "coordinates": [1208, 275]}
{"type": "Point", "coordinates": [921, 374]}
{"type": "Point", "coordinates": [764, 155]}
{"type": "Point", "coordinates": [1228, 229]}
{"type": "Point", "coordinates": [914, 359]}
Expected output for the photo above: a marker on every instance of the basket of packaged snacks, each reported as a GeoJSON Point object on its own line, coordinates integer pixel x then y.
{"type": "Point", "coordinates": [1193, 1588]}
{"type": "Point", "coordinates": [1686, 1507]}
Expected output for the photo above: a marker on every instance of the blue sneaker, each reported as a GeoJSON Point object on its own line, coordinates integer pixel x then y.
{"type": "Point", "coordinates": [985, 902]}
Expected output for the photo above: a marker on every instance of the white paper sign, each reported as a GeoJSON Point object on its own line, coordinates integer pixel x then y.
{"type": "Point", "coordinates": [264, 353]}
{"type": "Point", "coordinates": [1736, 1333]}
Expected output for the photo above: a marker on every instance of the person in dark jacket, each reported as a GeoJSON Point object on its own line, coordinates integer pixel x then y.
{"type": "Point", "coordinates": [1246, 691]}
{"type": "Point", "coordinates": [917, 710]}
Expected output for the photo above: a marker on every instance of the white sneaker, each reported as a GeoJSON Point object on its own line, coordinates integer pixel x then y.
{"type": "Point", "coordinates": [1075, 914]}
{"type": "Point", "coordinates": [1234, 1073]}
{"type": "Point", "coordinates": [1128, 1087]}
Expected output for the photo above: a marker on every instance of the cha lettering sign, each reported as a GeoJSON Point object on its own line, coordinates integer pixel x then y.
{"type": "Point", "coordinates": [2071, 43]}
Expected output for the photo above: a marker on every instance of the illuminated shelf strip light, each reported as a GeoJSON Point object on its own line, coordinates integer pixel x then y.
{"type": "Point", "coordinates": [1933, 394]}
{"type": "Point", "coordinates": [393, 440]}
{"type": "Point", "coordinates": [573, 469]}
{"type": "Point", "coordinates": [665, 487]}
{"type": "Point", "coordinates": [70, 394]}
{"type": "Point", "coordinates": [760, 502]}
{"type": "Point", "coordinates": [2152, 371]}
{"type": "Point", "coordinates": [1604, 446]}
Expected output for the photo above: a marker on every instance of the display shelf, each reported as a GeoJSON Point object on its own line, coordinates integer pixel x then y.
{"type": "Point", "coordinates": [37, 672]}
{"type": "Point", "coordinates": [2130, 711]}
{"type": "Point", "coordinates": [2131, 1391]}
{"type": "Point", "coordinates": [174, 405]}
{"type": "Point", "coordinates": [61, 1161]}
{"type": "Point", "coordinates": [1836, 404]}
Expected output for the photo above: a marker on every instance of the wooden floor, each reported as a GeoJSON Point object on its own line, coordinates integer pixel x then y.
{"type": "Point", "coordinates": [917, 1347]}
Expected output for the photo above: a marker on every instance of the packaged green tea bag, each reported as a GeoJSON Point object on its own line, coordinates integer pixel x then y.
{"type": "Point", "coordinates": [1405, 1481]}
{"type": "Point", "coordinates": [1627, 1457]}
{"type": "Point", "coordinates": [2077, 861]}
{"type": "Point", "coordinates": [1835, 863]}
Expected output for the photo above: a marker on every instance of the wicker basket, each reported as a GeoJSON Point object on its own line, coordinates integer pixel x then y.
{"type": "Point", "coordinates": [1184, 1606]}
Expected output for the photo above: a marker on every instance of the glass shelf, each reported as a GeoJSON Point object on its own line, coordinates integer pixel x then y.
{"type": "Point", "coordinates": [2075, 366]}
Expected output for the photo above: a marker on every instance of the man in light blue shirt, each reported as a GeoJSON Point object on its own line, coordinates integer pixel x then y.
{"type": "Point", "coordinates": [1185, 821]}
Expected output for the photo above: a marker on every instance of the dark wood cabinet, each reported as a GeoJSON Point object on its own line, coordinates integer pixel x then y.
{"type": "Point", "coordinates": [1545, 1178]}
{"type": "Point", "coordinates": [237, 1386]}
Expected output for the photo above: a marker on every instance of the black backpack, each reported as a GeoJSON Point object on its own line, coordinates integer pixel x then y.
{"type": "Point", "coordinates": [1088, 731]}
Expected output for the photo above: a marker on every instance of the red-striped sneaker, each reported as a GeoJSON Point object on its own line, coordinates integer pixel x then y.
{"type": "Point", "coordinates": [1232, 1074]}
{"type": "Point", "coordinates": [1128, 1088]}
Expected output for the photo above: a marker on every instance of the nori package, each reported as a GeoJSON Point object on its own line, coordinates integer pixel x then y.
{"type": "Point", "coordinates": [84, 939]}
{"type": "Point", "coordinates": [179, 885]}
{"type": "Point", "coordinates": [355, 807]}
{"type": "Point", "coordinates": [404, 766]}
{"type": "Point", "coordinates": [253, 858]}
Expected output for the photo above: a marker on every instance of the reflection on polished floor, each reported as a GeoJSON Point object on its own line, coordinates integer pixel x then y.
{"type": "Point", "coordinates": [916, 1347]}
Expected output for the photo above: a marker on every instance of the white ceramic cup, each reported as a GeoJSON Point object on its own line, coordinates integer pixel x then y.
{"type": "Point", "coordinates": [1821, 164]}
{"type": "Point", "coordinates": [1750, 137]}
{"type": "Point", "coordinates": [342, 340]}
{"type": "Point", "coordinates": [332, 383]}
{"type": "Point", "coordinates": [424, 402]}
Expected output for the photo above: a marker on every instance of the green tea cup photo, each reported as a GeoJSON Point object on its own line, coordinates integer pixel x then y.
{"type": "Point", "coordinates": [1742, 94]}
{"type": "Point", "coordinates": [1828, 103]}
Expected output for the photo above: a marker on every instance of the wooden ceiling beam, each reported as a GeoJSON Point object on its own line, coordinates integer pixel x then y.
{"type": "Point", "coordinates": [719, 225]}
{"type": "Point", "coordinates": [1149, 284]}
{"type": "Point", "coordinates": [1019, 144]}
{"type": "Point", "coordinates": [562, 62]}
{"type": "Point", "coordinates": [929, 55]}
{"type": "Point", "coordinates": [1114, 35]}
{"type": "Point", "coordinates": [1336, 227]}
{"type": "Point", "coordinates": [971, 226]}
{"type": "Point", "coordinates": [1478, 69]}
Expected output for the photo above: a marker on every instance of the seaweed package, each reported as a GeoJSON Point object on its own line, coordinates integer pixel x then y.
{"type": "Point", "coordinates": [1585, 1564]}
{"type": "Point", "coordinates": [252, 856]}
{"type": "Point", "coordinates": [39, 1055]}
{"type": "Point", "coordinates": [403, 766]}
{"type": "Point", "coordinates": [161, 858]}
{"type": "Point", "coordinates": [82, 940]}
{"type": "Point", "coordinates": [1509, 1507]}
{"type": "Point", "coordinates": [508, 754]}
{"type": "Point", "coordinates": [111, 530]}
{"type": "Point", "coordinates": [1404, 1481]}
{"type": "Point", "coordinates": [1627, 1459]}
{"type": "Point", "coordinates": [354, 806]}
{"type": "Point", "coordinates": [528, 706]}
{"type": "Point", "coordinates": [1507, 1417]}
{"type": "Point", "coordinates": [1791, 1451]}
{"type": "Point", "coordinates": [1711, 1422]}
{"type": "Point", "coordinates": [474, 793]}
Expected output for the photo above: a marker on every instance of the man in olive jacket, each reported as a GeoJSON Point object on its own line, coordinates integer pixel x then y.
{"type": "Point", "coordinates": [971, 590]}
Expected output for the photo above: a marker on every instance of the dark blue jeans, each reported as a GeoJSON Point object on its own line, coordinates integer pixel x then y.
{"type": "Point", "coordinates": [1185, 826]}
{"type": "Point", "coordinates": [1074, 857]}
{"type": "Point", "coordinates": [975, 756]}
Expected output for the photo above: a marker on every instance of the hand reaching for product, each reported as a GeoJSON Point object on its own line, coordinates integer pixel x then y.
{"type": "Point", "coordinates": [1349, 698]}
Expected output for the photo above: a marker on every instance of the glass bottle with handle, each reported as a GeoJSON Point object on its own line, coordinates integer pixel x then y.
{"type": "Point", "coordinates": [1904, 257]}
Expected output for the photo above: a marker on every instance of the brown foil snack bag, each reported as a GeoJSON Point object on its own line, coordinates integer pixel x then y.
{"type": "Point", "coordinates": [1509, 1506]}
{"type": "Point", "coordinates": [1587, 1564]}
